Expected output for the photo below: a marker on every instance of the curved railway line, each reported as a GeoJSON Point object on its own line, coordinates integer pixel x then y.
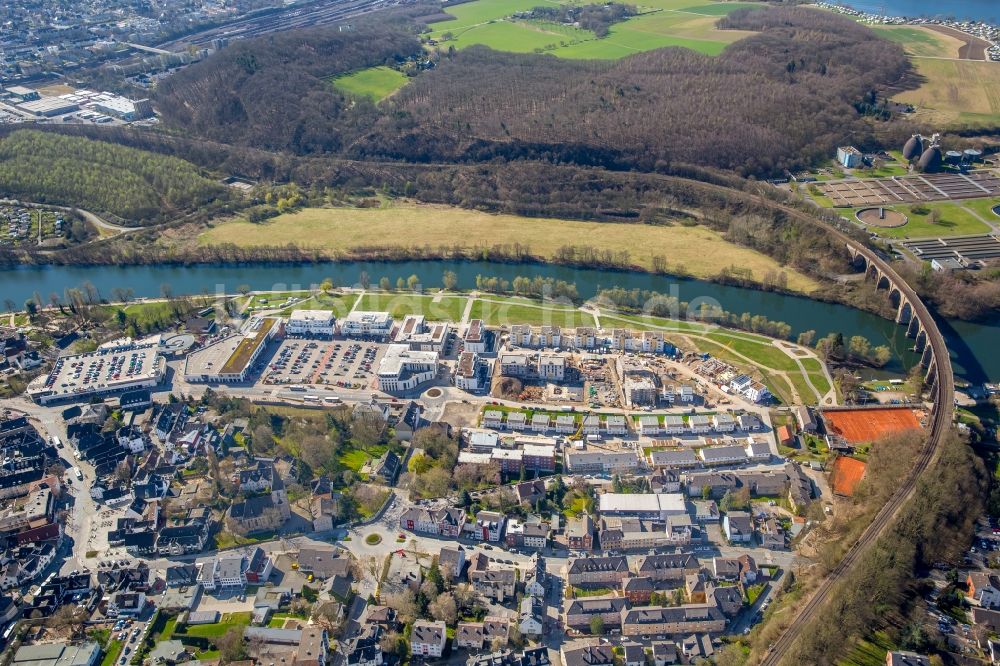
{"type": "Point", "coordinates": [941, 419]}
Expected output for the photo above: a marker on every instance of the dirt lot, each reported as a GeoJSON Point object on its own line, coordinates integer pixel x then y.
{"type": "Point", "coordinates": [974, 47]}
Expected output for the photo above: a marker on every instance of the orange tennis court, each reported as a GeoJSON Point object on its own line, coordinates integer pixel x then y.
{"type": "Point", "coordinates": [858, 426]}
{"type": "Point", "coordinates": [847, 474]}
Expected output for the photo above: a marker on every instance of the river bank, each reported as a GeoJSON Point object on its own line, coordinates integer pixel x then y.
{"type": "Point", "coordinates": [972, 345]}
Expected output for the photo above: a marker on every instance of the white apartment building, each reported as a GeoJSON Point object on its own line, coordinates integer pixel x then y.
{"type": "Point", "coordinates": [311, 322]}
{"type": "Point", "coordinates": [361, 324]}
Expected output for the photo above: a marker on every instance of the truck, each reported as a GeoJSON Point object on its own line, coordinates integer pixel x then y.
{"type": "Point", "coordinates": [77, 473]}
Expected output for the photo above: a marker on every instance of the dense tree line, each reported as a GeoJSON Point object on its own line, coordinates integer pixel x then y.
{"type": "Point", "coordinates": [596, 18]}
{"type": "Point", "coordinates": [132, 185]}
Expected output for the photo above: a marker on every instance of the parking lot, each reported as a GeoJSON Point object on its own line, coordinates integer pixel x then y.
{"type": "Point", "coordinates": [344, 363]}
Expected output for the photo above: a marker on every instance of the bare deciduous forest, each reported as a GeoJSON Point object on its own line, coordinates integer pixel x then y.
{"type": "Point", "coordinates": [779, 99]}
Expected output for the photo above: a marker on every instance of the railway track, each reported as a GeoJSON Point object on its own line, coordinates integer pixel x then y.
{"type": "Point", "coordinates": [941, 419]}
{"type": "Point", "coordinates": [319, 13]}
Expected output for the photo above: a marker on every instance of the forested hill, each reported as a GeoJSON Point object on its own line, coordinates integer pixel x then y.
{"type": "Point", "coordinates": [274, 91]}
{"type": "Point", "coordinates": [131, 186]}
{"type": "Point", "coordinates": [778, 99]}
{"type": "Point", "coordinates": [772, 100]}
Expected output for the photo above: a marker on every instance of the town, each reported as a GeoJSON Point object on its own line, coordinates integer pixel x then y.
{"type": "Point", "coordinates": [518, 494]}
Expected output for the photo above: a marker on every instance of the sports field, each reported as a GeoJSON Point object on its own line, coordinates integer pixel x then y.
{"type": "Point", "coordinates": [686, 23]}
{"type": "Point", "coordinates": [956, 92]}
{"type": "Point", "coordinates": [376, 83]}
{"type": "Point", "coordinates": [701, 251]}
{"type": "Point", "coordinates": [860, 426]}
{"type": "Point", "coordinates": [847, 474]}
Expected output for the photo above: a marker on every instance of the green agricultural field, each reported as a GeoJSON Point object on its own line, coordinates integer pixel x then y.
{"type": "Point", "coordinates": [955, 92]}
{"type": "Point", "coordinates": [954, 221]}
{"type": "Point", "coordinates": [684, 23]}
{"type": "Point", "coordinates": [527, 312]}
{"type": "Point", "coordinates": [447, 308]}
{"type": "Point", "coordinates": [376, 83]}
{"type": "Point", "coordinates": [921, 41]}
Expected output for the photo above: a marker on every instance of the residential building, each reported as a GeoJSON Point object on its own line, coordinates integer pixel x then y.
{"type": "Point", "coordinates": [531, 616]}
{"type": "Point", "coordinates": [477, 339]}
{"type": "Point", "coordinates": [311, 323]}
{"type": "Point", "coordinates": [427, 639]}
{"type": "Point", "coordinates": [495, 584]}
{"type": "Point", "coordinates": [368, 325]}
{"type": "Point", "coordinates": [580, 533]}
{"type": "Point", "coordinates": [983, 589]}
{"type": "Point", "coordinates": [451, 560]}
{"type": "Point", "coordinates": [738, 527]}
{"type": "Point", "coordinates": [600, 461]}
{"type": "Point", "coordinates": [586, 654]}
{"type": "Point", "coordinates": [419, 335]}
{"type": "Point", "coordinates": [667, 568]}
{"type": "Point", "coordinates": [678, 620]}
{"type": "Point", "coordinates": [472, 374]}
{"type": "Point", "coordinates": [581, 612]}
{"type": "Point", "coordinates": [637, 589]}
{"type": "Point", "coordinates": [606, 571]}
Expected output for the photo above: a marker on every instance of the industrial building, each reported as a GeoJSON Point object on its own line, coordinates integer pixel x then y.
{"type": "Point", "coordinates": [230, 360]}
{"type": "Point", "coordinates": [49, 107]}
{"type": "Point", "coordinates": [849, 157]}
{"type": "Point", "coordinates": [311, 322]}
{"type": "Point", "coordinates": [116, 367]}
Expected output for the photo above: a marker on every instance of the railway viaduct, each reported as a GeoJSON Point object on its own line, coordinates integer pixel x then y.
{"type": "Point", "coordinates": [920, 325]}
{"type": "Point", "coordinates": [903, 302]}
{"type": "Point", "coordinates": [912, 313]}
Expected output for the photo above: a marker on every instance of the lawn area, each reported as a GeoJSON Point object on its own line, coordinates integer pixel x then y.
{"type": "Point", "coordinates": [224, 539]}
{"type": "Point", "coordinates": [920, 41]}
{"type": "Point", "coordinates": [447, 308]}
{"type": "Point", "coordinates": [339, 304]}
{"type": "Point", "coordinates": [984, 207]}
{"type": "Point", "coordinates": [227, 622]}
{"type": "Point", "coordinates": [376, 83]}
{"type": "Point", "coordinates": [701, 251]}
{"type": "Point", "coordinates": [535, 314]}
{"type": "Point", "coordinates": [685, 23]}
{"type": "Point", "coordinates": [955, 92]}
{"type": "Point", "coordinates": [354, 459]}
{"type": "Point", "coordinates": [648, 323]}
{"type": "Point", "coordinates": [869, 652]}
{"type": "Point", "coordinates": [764, 354]}
{"type": "Point", "coordinates": [112, 653]}
{"type": "Point", "coordinates": [814, 369]}
{"type": "Point", "coordinates": [955, 221]}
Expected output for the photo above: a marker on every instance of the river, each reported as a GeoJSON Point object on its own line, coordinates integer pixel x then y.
{"type": "Point", "coordinates": [967, 10]}
{"type": "Point", "coordinates": [972, 345]}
